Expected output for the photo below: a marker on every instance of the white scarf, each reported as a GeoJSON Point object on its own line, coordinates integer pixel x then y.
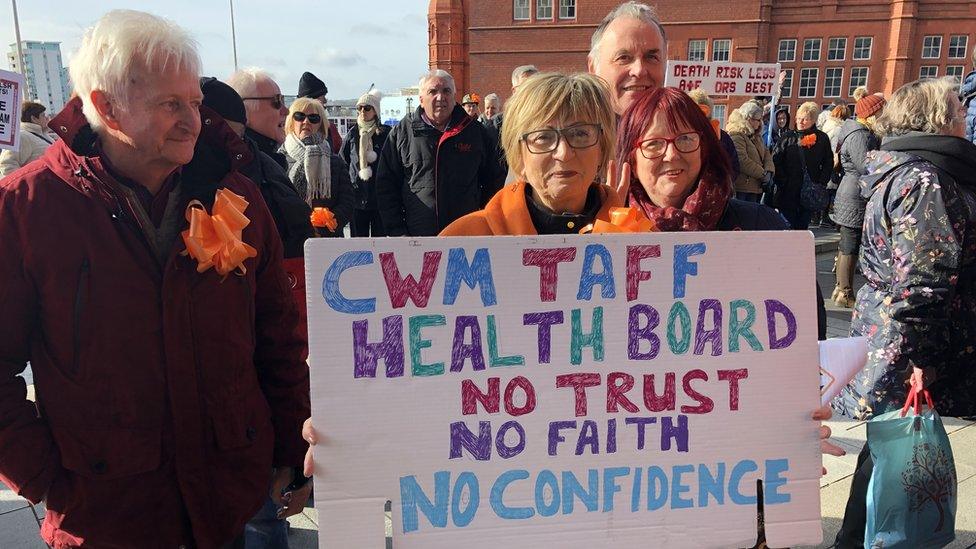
{"type": "Point", "coordinates": [366, 153]}
{"type": "Point", "coordinates": [312, 172]}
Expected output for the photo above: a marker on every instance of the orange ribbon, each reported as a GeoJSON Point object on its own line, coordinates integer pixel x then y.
{"type": "Point", "coordinates": [324, 218]}
{"type": "Point", "coordinates": [622, 220]}
{"type": "Point", "coordinates": [215, 240]}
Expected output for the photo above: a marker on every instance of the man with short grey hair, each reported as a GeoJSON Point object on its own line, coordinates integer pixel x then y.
{"type": "Point", "coordinates": [493, 106]}
{"type": "Point", "coordinates": [438, 164]}
{"type": "Point", "coordinates": [629, 51]}
{"type": "Point", "coordinates": [266, 110]}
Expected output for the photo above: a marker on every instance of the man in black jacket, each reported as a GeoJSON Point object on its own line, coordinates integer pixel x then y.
{"type": "Point", "coordinates": [437, 165]}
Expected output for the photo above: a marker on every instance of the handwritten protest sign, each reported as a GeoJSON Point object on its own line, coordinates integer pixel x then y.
{"type": "Point", "coordinates": [840, 360]}
{"type": "Point", "coordinates": [11, 84]}
{"type": "Point", "coordinates": [724, 78]}
{"type": "Point", "coordinates": [565, 391]}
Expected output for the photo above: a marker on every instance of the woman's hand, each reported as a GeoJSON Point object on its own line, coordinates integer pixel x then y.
{"type": "Point", "coordinates": [619, 182]}
{"type": "Point", "coordinates": [917, 380]}
{"type": "Point", "coordinates": [826, 447]}
{"type": "Point", "coordinates": [308, 433]}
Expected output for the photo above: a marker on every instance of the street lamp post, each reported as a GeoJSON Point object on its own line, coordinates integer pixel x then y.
{"type": "Point", "coordinates": [233, 33]}
{"type": "Point", "coordinates": [20, 47]}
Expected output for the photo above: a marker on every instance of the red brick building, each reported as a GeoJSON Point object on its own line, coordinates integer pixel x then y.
{"type": "Point", "coordinates": [826, 48]}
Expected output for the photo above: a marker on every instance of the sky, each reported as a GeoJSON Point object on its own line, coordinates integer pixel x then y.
{"type": "Point", "coordinates": [349, 44]}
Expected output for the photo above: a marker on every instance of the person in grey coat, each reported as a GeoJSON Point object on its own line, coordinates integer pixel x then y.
{"type": "Point", "coordinates": [854, 139]}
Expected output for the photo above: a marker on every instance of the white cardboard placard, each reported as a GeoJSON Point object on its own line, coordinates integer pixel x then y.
{"type": "Point", "coordinates": [840, 359]}
{"type": "Point", "coordinates": [724, 78]}
{"type": "Point", "coordinates": [572, 479]}
{"type": "Point", "coordinates": [11, 86]}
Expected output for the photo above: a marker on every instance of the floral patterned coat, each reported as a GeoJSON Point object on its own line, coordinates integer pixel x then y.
{"type": "Point", "coordinates": [918, 307]}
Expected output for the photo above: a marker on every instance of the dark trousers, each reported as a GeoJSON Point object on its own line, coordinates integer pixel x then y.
{"type": "Point", "coordinates": [798, 217]}
{"type": "Point", "coordinates": [851, 534]}
{"type": "Point", "coordinates": [850, 240]}
{"type": "Point", "coordinates": [748, 197]}
{"type": "Point", "coordinates": [367, 223]}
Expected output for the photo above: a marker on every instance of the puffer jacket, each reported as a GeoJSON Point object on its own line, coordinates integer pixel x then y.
{"type": "Point", "coordinates": [968, 93]}
{"type": "Point", "coordinates": [918, 256]}
{"type": "Point", "coordinates": [427, 178]}
{"type": "Point", "coordinates": [349, 152]}
{"type": "Point", "coordinates": [34, 140]}
{"type": "Point", "coordinates": [754, 158]}
{"type": "Point", "coordinates": [855, 141]}
{"type": "Point", "coordinates": [164, 395]}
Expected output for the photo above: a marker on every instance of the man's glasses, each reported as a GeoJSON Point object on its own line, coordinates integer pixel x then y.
{"type": "Point", "coordinates": [312, 118]}
{"type": "Point", "coordinates": [365, 108]}
{"type": "Point", "coordinates": [655, 147]}
{"type": "Point", "coordinates": [277, 101]}
{"type": "Point", "coordinates": [580, 136]}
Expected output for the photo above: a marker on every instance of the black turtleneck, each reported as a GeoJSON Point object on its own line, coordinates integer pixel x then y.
{"type": "Point", "coordinates": [268, 146]}
{"type": "Point", "coordinates": [548, 222]}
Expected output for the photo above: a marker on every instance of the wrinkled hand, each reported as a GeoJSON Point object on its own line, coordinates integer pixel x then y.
{"type": "Point", "coordinates": [826, 447]}
{"type": "Point", "coordinates": [619, 180]}
{"type": "Point", "coordinates": [291, 503]}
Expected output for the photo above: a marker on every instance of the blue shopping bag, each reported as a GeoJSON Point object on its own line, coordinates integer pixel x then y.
{"type": "Point", "coordinates": [911, 500]}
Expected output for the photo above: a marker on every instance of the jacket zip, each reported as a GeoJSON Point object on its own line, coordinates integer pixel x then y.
{"type": "Point", "coordinates": [81, 299]}
{"type": "Point", "coordinates": [448, 133]}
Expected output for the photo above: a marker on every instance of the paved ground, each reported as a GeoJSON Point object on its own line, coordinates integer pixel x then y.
{"type": "Point", "coordinates": [18, 527]}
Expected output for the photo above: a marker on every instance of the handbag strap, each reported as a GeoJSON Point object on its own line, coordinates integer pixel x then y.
{"type": "Point", "coordinates": [912, 400]}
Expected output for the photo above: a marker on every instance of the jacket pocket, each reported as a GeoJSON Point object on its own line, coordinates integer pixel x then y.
{"type": "Point", "coordinates": [81, 301]}
{"type": "Point", "coordinates": [110, 453]}
{"type": "Point", "coordinates": [239, 422]}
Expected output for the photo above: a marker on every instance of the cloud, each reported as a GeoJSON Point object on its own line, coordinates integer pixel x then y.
{"type": "Point", "coordinates": [372, 29]}
{"type": "Point", "coordinates": [335, 58]}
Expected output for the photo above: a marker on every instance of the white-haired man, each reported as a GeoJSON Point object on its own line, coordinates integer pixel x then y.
{"type": "Point", "coordinates": [167, 386]}
{"type": "Point", "coordinates": [437, 165]}
{"type": "Point", "coordinates": [629, 50]}
{"type": "Point", "coordinates": [266, 110]}
{"type": "Point", "coordinates": [493, 106]}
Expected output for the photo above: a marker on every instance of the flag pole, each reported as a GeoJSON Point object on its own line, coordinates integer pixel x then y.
{"type": "Point", "coordinates": [20, 47]}
{"type": "Point", "coordinates": [233, 33]}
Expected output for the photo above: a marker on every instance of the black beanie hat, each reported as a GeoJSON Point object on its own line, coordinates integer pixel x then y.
{"type": "Point", "coordinates": [223, 99]}
{"type": "Point", "coordinates": [310, 86]}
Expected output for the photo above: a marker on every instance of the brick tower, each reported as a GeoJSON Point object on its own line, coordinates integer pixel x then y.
{"type": "Point", "coordinates": [448, 40]}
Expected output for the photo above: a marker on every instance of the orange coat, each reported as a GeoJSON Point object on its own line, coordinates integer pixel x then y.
{"type": "Point", "coordinates": [507, 213]}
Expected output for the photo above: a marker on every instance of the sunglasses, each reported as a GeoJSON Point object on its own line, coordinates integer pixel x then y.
{"type": "Point", "coordinates": [277, 101]}
{"type": "Point", "coordinates": [364, 108]}
{"type": "Point", "coordinates": [312, 118]}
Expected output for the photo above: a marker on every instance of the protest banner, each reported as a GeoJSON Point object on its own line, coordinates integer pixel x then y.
{"type": "Point", "coordinates": [584, 391]}
{"type": "Point", "coordinates": [11, 84]}
{"type": "Point", "coordinates": [724, 78]}
{"type": "Point", "coordinates": [840, 360]}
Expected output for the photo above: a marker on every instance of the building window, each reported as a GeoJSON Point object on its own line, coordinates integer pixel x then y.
{"type": "Point", "coordinates": [859, 77]}
{"type": "Point", "coordinates": [696, 50]}
{"type": "Point", "coordinates": [543, 9]}
{"type": "Point", "coordinates": [836, 49]}
{"type": "Point", "coordinates": [787, 89]}
{"type": "Point", "coordinates": [787, 50]}
{"type": "Point", "coordinates": [931, 47]}
{"type": "Point", "coordinates": [955, 71]}
{"type": "Point", "coordinates": [833, 79]}
{"type": "Point", "coordinates": [718, 113]}
{"type": "Point", "coordinates": [958, 46]}
{"type": "Point", "coordinates": [862, 47]}
{"type": "Point", "coordinates": [567, 9]}
{"type": "Point", "coordinates": [929, 71]}
{"type": "Point", "coordinates": [811, 49]}
{"type": "Point", "coordinates": [721, 50]}
{"type": "Point", "coordinates": [521, 10]}
{"type": "Point", "coordinates": [808, 82]}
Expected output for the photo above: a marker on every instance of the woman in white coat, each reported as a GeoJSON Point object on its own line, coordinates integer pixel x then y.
{"type": "Point", "coordinates": [34, 139]}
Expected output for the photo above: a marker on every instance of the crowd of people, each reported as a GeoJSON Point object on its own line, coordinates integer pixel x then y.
{"type": "Point", "coordinates": [111, 259]}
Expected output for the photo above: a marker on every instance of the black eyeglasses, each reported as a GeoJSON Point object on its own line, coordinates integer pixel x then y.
{"type": "Point", "coordinates": [312, 118]}
{"type": "Point", "coordinates": [580, 136]}
{"type": "Point", "coordinates": [364, 108]}
{"type": "Point", "coordinates": [277, 101]}
{"type": "Point", "coordinates": [655, 147]}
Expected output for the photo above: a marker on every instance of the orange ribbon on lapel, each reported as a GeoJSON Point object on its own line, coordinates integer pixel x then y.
{"type": "Point", "coordinates": [324, 218]}
{"type": "Point", "coordinates": [215, 240]}
{"type": "Point", "coordinates": [622, 220]}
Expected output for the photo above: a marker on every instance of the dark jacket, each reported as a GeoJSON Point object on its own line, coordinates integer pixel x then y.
{"type": "Point", "coordinates": [427, 178]}
{"type": "Point", "coordinates": [268, 146]}
{"type": "Point", "coordinates": [292, 216]}
{"type": "Point", "coordinates": [160, 390]}
{"type": "Point", "coordinates": [968, 93]}
{"type": "Point", "coordinates": [819, 160]}
{"type": "Point", "coordinates": [365, 189]}
{"type": "Point", "coordinates": [918, 256]}
{"type": "Point", "coordinates": [343, 200]}
{"type": "Point", "coordinates": [729, 147]}
{"type": "Point", "coordinates": [855, 140]}
{"type": "Point", "coordinates": [779, 133]}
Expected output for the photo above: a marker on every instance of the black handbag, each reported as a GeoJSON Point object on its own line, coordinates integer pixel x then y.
{"type": "Point", "coordinates": [813, 195]}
